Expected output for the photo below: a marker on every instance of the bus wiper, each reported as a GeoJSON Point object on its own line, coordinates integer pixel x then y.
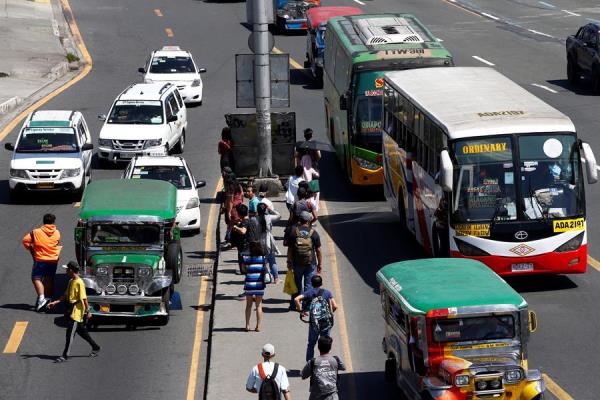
{"type": "Point", "coordinates": [499, 205]}
{"type": "Point", "coordinates": [532, 196]}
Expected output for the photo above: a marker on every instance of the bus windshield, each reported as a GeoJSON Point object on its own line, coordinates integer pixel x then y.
{"type": "Point", "coordinates": [493, 327]}
{"type": "Point", "coordinates": [367, 131]}
{"type": "Point", "coordinates": [484, 180]}
{"type": "Point", "coordinates": [550, 176]}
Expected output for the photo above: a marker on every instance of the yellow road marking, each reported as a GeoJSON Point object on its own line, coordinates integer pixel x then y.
{"type": "Point", "coordinates": [15, 337]}
{"type": "Point", "coordinates": [82, 74]}
{"type": "Point", "coordinates": [295, 64]}
{"type": "Point", "coordinates": [158, 12]}
{"type": "Point", "coordinates": [555, 389]}
{"type": "Point", "coordinates": [593, 263]}
{"type": "Point", "coordinates": [208, 241]}
{"type": "Point", "coordinates": [462, 8]}
{"type": "Point", "coordinates": [169, 32]}
{"type": "Point", "coordinates": [340, 314]}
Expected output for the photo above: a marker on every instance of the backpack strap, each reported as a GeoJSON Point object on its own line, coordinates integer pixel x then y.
{"type": "Point", "coordinates": [261, 372]}
{"type": "Point", "coordinates": [275, 370]}
{"type": "Point", "coordinates": [320, 292]}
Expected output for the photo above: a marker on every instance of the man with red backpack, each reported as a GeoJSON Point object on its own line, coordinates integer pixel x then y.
{"type": "Point", "coordinates": [269, 379]}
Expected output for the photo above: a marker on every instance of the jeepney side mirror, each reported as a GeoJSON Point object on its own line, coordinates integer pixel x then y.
{"type": "Point", "coordinates": [102, 117]}
{"type": "Point", "coordinates": [87, 146]}
{"type": "Point", "coordinates": [533, 325]}
{"type": "Point", "coordinates": [201, 70]}
{"type": "Point", "coordinates": [78, 234]}
{"type": "Point", "coordinates": [9, 146]}
{"type": "Point", "coordinates": [446, 171]}
{"type": "Point", "coordinates": [141, 70]}
{"type": "Point", "coordinates": [200, 184]}
{"type": "Point", "coordinates": [343, 102]}
{"type": "Point", "coordinates": [590, 163]}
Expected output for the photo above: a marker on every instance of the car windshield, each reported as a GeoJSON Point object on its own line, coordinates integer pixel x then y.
{"type": "Point", "coordinates": [47, 140]}
{"type": "Point", "coordinates": [473, 329]}
{"type": "Point", "coordinates": [176, 175]}
{"type": "Point", "coordinates": [172, 65]}
{"type": "Point", "coordinates": [136, 112]}
{"type": "Point", "coordinates": [367, 117]}
{"type": "Point", "coordinates": [134, 233]}
{"type": "Point", "coordinates": [550, 176]}
{"type": "Point", "coordinates": [484, 180]}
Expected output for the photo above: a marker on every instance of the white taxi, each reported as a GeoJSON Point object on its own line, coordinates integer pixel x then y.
{"type": "Point", "coordinates": [53, 152]}
{"type": "Point", "coordinates": [171, 64]}
{"type": "Point", "coordinates": [175, 170]}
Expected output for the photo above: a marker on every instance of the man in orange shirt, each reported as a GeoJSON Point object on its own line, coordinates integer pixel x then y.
{"type": "Point", "coordinates": [44, 245]}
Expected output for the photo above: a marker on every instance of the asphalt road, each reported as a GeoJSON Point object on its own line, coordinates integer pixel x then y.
{"type": "Point", "coordinates": [155, 363]}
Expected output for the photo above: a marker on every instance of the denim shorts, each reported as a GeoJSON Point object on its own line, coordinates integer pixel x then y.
{"type": "Point", "coordinates": [43, 269]}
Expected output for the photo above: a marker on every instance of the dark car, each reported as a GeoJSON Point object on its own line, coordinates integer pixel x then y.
{"type": "Point", "coordinates": [583, 56]}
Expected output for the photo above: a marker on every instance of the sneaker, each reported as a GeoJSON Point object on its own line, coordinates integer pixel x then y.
{"type": "Point", "coordinates": [94, 353]}
{"type": "Point", "coordinates": [41, 305]}
{"type": "Point", "coordinates": [60, 359]}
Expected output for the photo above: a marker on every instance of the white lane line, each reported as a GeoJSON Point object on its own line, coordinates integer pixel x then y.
{"type": "Point", "coordinates": [491, 16]}
{"type": "Point", "coordinates": [572, 13]}
{"type": "Point", "coordinates": [547, 4]}
{"type": "Point", "coordinates": [539, 33]}
{"type": "Point", "coordinates": [544, 87]}
{"type": "Point", "coordinates": [484, 61]}
{"type": "Point", "coordinates": [359, 2]}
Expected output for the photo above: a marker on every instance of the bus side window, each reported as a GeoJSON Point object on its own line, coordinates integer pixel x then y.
{"type": "Point", "coordinates": [397, 316]}
{"type": "Point", "coordinates": [341, 70]}
{"type": "Point", "coordinates": [331, 46]}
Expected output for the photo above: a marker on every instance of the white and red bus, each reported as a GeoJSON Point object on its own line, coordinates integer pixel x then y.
{"type": "Point", "coordinates": [475, 166]}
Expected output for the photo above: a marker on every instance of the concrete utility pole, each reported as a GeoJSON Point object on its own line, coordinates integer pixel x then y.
{"type": "Point", "coordinates": [262, 87]}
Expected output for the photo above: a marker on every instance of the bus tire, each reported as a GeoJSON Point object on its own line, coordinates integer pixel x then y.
{"type": "Point", "coordinates": [390, 369]}
{"type": "Point", "coordinates": [440, 249]}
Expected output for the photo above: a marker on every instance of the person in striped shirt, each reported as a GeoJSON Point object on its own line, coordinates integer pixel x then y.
{"type": "Point", "coordinates": [254, 285]}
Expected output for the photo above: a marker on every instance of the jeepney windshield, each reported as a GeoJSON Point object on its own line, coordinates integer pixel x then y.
{"type": "Point", "coordinates": [134, 233]}
{"type": "Point", "coordinates": [550, 176]}
{"type": "Point", "coordinates": [484, 180]}
{"type": "Point", "coordinates": [473, 328]}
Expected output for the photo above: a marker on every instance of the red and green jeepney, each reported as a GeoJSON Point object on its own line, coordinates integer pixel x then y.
{"type": "Point", "coordinates": [454, 330]}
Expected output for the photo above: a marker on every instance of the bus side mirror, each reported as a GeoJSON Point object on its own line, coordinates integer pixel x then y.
{"type": "Point", "coordinates": [343, 102]}
{"type": "Point", "coordinates": [446, 171]}
{"type": "Point", "coordinates": [78, 234]}
{"type": "Point", "coordinates": [533, 325]}
{"type": "Point", "coordinates": [590, 163]}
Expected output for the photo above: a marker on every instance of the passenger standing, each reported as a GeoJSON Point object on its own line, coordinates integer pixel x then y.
{"type": "Point", "coordinates": [254, 285]}
{"type": "Point", "coordinates": [268, 373]}
{"type": "Point", "coordinates": [239, 230]}
{"type": "Point", "coordinates": [315, 155]}
{"type": "Point", "coordinates": [323, 372]}
{"type": "Point", "coordinates": [77, 309]}
{"type": "Point", "coordinates": [225, 149]}
{"type": "Point", "coordinates": [252, 200]}
{"type": "Point", "coordinates": [44, 245]}
{"type": "Point", "coordinates": [262, 197]}
{"type": "Point", "coordinates": [264, 226]}
{"type": "Point", "coordinates": [303, 204]}
{"type": "Point", "coordinates": [291, 195]}
{"type": "Point", "coordinates": [319, 305]}
{"type": "Point", "coordinates": [234, 196]}
{"type": "Point", "coordinates": [303, 254]}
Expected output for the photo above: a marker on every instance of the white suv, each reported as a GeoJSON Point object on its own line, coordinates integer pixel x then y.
{"type": "Point", "coordinates": [53, 152]}
{"type": "Point", "coordinates": [146, 118]}
{"type": "Point", "coordinates": [174, 170]}
{"type": "Point", "coordinates": [171, 64]}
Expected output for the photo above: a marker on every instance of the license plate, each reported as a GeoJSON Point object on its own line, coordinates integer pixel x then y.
{"type": "Point", "coordinates": [104, 308]}
{"type": "Point", "coordinates": [45, 185]}
{"type": "Point", "coordinates": [126, 156]}
{"type": "Point", "coordinates": [522, 267]}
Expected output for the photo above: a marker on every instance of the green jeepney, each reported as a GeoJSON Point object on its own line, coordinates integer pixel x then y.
{"type": "Point", "coordinates": [127, 243]}
{"type": "Point", "coordinates": [455, 330]}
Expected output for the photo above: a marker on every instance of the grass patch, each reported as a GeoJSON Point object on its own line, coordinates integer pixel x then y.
{"type": "Point", "coordinates": [72, 57]}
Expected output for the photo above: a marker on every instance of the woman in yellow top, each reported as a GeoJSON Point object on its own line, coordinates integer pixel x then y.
{"type": "Point", "coordinates": [76, 309]}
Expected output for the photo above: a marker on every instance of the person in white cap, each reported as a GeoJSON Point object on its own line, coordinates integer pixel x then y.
{"type": "Point", "coordinates": [272, 375]}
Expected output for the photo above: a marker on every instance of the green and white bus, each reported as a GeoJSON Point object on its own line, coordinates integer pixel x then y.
{"type": "Point", "coordinates": [358, 50]}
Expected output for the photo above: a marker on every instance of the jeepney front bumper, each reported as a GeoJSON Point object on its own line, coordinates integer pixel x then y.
{"type": "Point", "coordinates": [127, 306]}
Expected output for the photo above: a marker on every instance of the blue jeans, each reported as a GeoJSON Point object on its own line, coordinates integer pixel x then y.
{"type": "Point", "coordinates": [313, 337]}
{"type": "Point", "coordinates": [272, 265]}
{"type": "Point", "coordinates": [302, 277]}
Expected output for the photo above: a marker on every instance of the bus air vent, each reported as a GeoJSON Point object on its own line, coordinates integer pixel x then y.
{"type": "Point", "coordinates": [375, 31]}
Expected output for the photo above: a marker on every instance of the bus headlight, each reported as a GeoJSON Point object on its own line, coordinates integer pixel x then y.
{"type": "Point", "coordinates": [365, 163]}
{"type": "Point", "coordinates": [469, 250]}
{"type": "Point", "coordinates": [461, 380]}
{"type": "Point", "coordinates": [572, 244]}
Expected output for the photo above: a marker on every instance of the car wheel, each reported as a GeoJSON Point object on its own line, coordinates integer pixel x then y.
{"type": "Point", "coordinates": [596, 80]}
{"type": "Point", "coordinates": [174, 260]}
{"type": "Point", "coordinates": [180, 144]}
{"type": "Point", "coordinates": [572, 71]}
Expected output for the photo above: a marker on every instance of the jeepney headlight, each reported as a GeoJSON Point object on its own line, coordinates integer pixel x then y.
{"type": "Point", "coordinates": [18, 173]}
{"type": "Point", "coordinates": [111, 289]}
{"type": "Point", "coordinates": [192, 203]}
{"type": "Point", "coordinates": [513, 375]}
{"type": "Point", "coordinates": [102, 271]}
{"type": "Point", "coordinates": [152, 143]}
{"type": "Point", "coordinates": [495, 384]}
{"type": "Point", "coordinates": [365, 163]}
{"type": "Point", "coordinates": [196, 82]}
{"type": "Point", "coordinates": [105, 143]}
{"type": "Point", "coordinates": [134, 289]}
{"type": "Point", "coordinates": [144, 271]}
{"type": "Point", "coordinates": [571, 245]}
{"type": "Point", "coordinates": [461, 380]}
{"type": "Point", "coordinates": [469, 250]}
{"type": "Point", "coordinates": [122, 289]}
{"type": "Point", "coordinates": [481, 385]}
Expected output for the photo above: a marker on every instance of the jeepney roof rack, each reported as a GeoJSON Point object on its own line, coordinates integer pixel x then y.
{"type": "Point", "coordinates": [376, 31]}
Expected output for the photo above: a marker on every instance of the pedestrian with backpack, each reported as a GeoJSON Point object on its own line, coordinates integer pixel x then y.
{"type": "Point", "coordinates": [319, 305]}
{"type": "Point", "coordinates": [323, 372]}
{"type": "Point", "coordinates": [268, 378]}
{"type": "Point", "coordinates": [304, 253]}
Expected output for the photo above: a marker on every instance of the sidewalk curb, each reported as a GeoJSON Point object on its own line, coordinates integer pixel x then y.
{"type": "Point", "coordinates": [10, 104]}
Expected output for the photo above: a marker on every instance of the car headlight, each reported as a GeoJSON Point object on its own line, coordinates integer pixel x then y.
{"type": "Point", "coordinates": [513, 375]}
{"type": "Point", "coordinates": [146, 80]}
{"type": "Point", "coordinates": [144, 271]}
{"type": "Point", "coordinates": [469, 250]}
{"type": "Point", "coordinates": [365, 163]}
{"type": "Point", "coordinates": [572, 244]}
{"type": "Point", "coordinates": [461, 380]}
{"type": "Point", "coordinates": [70, 172]}
{"type": "Point", "coordinates": [152, 143]}
{"type": "Point", "coordinates": [192, 203]}
{"type": "Point", "coordinates": [105, 143]}
{"type": "Point", "coordinates": [102, 271]}
{"type": "Point", "coordinates": [196, 82]}
{"type": "Point", "coordinates": [18, 173]}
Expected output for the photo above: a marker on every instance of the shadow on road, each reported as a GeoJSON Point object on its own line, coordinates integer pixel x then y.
{"type": "Point", "coordinates": [531, 284]}
{"type": "Point", "coordinates": [583, 88]}
{"type": "Point", "coordinates": [363, 385]}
